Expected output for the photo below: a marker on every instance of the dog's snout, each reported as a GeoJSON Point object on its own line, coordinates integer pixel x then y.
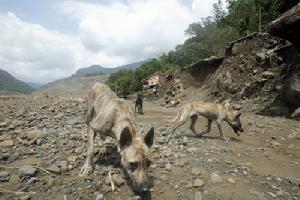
{"type": "Point", "coordinates": [143, 187]}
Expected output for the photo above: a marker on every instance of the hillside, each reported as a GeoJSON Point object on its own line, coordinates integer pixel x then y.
{"type": "Point", "coordinates": [34, 85]}
{"type": "Point", "coordinates": [11, 84]}
{"type": "Point", "coordinates": [71, 85]}
{"type": "Point", "coordinates": [98, 69]}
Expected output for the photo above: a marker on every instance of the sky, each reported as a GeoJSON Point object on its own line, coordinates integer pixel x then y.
{"type": "Point", "coordinates": [45, 40]}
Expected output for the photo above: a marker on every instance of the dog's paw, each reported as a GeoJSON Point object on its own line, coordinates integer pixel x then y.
{"type": "Point", "coordinates": [225, 139]}
{"type": "Point", "coordinates": [86, 169]}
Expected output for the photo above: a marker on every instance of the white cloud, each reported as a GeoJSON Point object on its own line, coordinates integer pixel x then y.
{"type": "Point", "coordinates": [108, 34]}
{"type": "Point", "coordinates": [136, 30]}
{"type": "Point", "coordinates": [34, 54]}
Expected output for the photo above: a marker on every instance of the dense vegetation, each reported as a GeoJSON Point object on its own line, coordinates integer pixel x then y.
{"type": "Point", "coordinates": [206, 38]}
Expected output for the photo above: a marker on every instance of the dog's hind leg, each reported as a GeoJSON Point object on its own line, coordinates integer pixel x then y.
{"type": "Point", "coordinates": [88, 165]}
{"type": "Point", "coordinates": [193, 123]}
{"type": "Point", "coordinates": [209, 121]}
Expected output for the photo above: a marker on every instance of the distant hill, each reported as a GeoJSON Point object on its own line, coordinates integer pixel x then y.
{"type": "Point", "coordinates": [11, 84]}
{"type": "Point", "coordinates": [34, 85]}
{"type": "Point", "coordinates": [98, 69]}
{"type": "Point", "coordinates": [73, 85]}
{"type": "Point", "coordinates": [80, 82]}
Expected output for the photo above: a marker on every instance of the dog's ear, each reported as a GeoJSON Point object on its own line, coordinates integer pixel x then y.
{"type": "Point", "coordinates": [149, 137]}
{"type": "Point", "coordinates": [125, 138]}
{"type": "Point", "coordinates": [238, 115]}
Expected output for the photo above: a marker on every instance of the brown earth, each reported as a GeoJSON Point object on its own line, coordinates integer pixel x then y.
{"type": "Point", "coordinates": [263, 163]}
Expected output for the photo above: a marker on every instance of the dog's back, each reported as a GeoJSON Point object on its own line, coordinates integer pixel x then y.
{"type": "Point", "coordinates": [102, 99]}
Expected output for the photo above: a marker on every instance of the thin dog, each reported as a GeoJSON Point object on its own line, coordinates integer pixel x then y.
{"type": "Point", "coordinates": [212, 112]}
{"type": "Point", "coordinates": [109, 115]}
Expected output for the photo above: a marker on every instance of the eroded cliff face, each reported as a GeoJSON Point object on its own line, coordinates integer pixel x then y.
{"type": "Point", "coordinates": [287, 26]}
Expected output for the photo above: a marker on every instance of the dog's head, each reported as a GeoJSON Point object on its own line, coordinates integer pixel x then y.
{"type": "Point", "coordinates": [236, 124]}
{"type": "Point", "coordinates": [233, 118]}
{"type": "Point", "coordinates": [135, 157]}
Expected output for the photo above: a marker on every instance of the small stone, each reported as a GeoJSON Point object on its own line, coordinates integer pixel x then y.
{"type": "Point", "coordinates": [4, 176]}
{"type": "Point", "coordinates": [118, 180]}
{"type": "Point", "coordinates": [14, 156]}
{"type": "Point", "coordinates": [36, 134]}
{"type": "Point", "coordinates": [272, 194]}
{"type": "Point", "coordinates": [168, 167]}
{"type": "Point", "coordinates": [4, 124]}
{"type": "Point", "coordinates": [27, 170]}
{"type": "Point", "coordinates": [161, 140]}
{"type": "Point", "coordinates": [197, 171]}
{"type": "Point", "coordinates": [296, 114]}
{"type": "Point", "coordinates": [63, 165]}
{"type": "Point", "coordinates": [5, 137]}
{"type": "Point", "coordinates": [183, 162]}
{"type": "Point", "coordinates": [184, 140]}
{"type": "Point", "coordinates": [198, 183]}
{"type": "Point", "coordinates": [99, 196]}
{"type": "Point", "coordinates": [230, 180]}
{"type": "Point", "coordinates": [275, 144]}
{"type": "Point", "coordinates": [268, 74]}
{"type": "Point", "coordinates": [54, 168]}
{"type": "Point", "coordinates": [216, 178]}
{"type": "Point", "coordinates": [198, 195]}
{"type": "Point", "coordinates": [7, 143]}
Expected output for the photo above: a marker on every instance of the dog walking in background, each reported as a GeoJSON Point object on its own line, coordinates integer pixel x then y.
{"type": "Point", "coordinates": [212, 112]}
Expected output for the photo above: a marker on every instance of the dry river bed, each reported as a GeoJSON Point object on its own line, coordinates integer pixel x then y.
{"type": "Point", "coordinates": [42, 151]}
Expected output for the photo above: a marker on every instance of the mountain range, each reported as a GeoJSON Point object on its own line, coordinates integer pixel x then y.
{"type": "Point", "coordinates": [98, 69]}
{"type": "Point", "coordinates": [77, 84]}
{"type": "Point", "coordinates": [10, 84]}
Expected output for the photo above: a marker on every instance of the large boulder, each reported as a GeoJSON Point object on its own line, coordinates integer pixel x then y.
{"type": "Point", "coordinates": [287, 26]}
{"type": "Point", "coordinates": [291, 90]}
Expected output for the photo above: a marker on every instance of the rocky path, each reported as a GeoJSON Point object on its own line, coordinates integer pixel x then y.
{"type": "Point", "coordinates": [42, 151]}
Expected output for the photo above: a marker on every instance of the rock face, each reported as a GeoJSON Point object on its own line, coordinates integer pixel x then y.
{"type": "Point", "coordinates": [291, 90]}
{"type": "Point", "coordinates": [287, 26]}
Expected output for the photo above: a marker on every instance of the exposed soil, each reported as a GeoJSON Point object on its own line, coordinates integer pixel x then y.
{"type": "Point", "coordinates": [263, 163]}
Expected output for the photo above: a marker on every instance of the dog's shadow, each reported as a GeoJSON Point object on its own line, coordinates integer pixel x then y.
{"type": "Point", "coordinates": [112, 157]}
{"type": "Point", "coordinates": [208, 137]}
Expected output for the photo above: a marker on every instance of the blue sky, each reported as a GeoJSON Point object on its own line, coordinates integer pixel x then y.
{"type": "Point", "coordinates": [39, 12]}
{"type": "Point", "coordinates": [44, 40]}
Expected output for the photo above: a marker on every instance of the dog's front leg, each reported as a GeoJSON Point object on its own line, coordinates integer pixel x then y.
{"type": "Point", "coordinates": [88, 165]}
{"type": "Point", "coordinates": [219, 123]}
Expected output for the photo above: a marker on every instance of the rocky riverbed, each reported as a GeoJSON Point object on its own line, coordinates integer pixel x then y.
{"type": "Point", "coordinates": [42, 148]}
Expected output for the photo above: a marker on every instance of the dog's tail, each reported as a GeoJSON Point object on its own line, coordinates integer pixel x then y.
{"type": "Point", "coordinates": [177, 116]}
